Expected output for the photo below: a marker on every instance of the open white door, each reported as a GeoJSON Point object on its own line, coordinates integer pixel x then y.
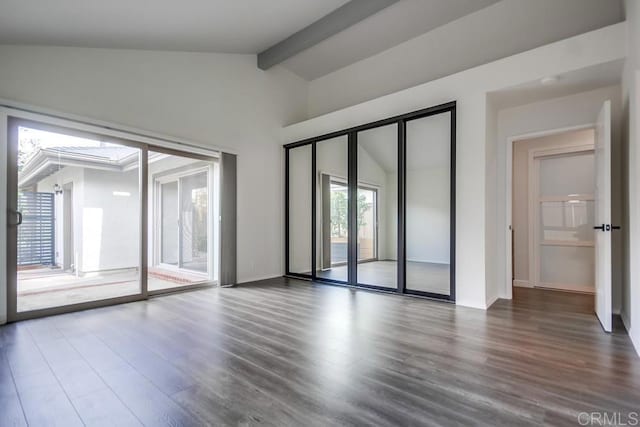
{"type": "Point", "coordinates": [603, 216]}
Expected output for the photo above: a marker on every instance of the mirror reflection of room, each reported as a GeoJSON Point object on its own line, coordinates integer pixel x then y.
{"type": "Point", "coordinates": [377, 206]}
{"type": "Point", "coordinates": [332, 208]}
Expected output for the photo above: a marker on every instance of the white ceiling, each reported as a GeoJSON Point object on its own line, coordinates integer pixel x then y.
{"type": "Point", "coordinates": [226, 26]}
{"type": "Point", "coordinates": [251, 26]}
{"type": "Point", "coordinates": [391, 26]}
{"type": "Point", "coordinates": [582, 80]}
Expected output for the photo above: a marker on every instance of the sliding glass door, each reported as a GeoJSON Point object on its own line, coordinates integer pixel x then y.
{"type": "Point", "coordinates": [77, 206]}
{"type": "Point", "coordinates": [382, 199]}
{"type": "Point", "coordinates": [182, 245]}
{"type": "Point", "coordinates": [81, 206]}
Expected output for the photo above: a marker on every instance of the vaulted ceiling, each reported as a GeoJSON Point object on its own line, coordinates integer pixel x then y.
{"type": "Point", "coordinates": [253, 26]}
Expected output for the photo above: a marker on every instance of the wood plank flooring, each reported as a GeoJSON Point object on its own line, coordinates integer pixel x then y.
{"type": "Point", "coordinates": [284, 352]}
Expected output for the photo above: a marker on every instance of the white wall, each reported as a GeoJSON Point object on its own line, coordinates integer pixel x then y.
{"type": "Point", "coordinates": [498, 31]}
{"type": "Point", "coordinates": [217, 100]}
{"type": "Point", "coordinates": [569, 111]}
{"type": "Point", "coordinates": [110, 223]}
{"type": "Point", "coordinates": [631, 105]}
{"type": "Point", "coordinates": [106, 227]}
{"type": "Point", "coordinates": [469, 89]}
{"type": "Point", "coordinates": [490, 207]}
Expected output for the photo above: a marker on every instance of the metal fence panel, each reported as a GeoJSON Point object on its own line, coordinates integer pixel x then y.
{"type": "Point", "coordinates": [36, 234]}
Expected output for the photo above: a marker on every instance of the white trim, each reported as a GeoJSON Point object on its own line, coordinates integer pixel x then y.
{"type": "Point", "coordinates": [578, 197]}
{"type": "Point", "coordinates": [3, 218]}
{"type": "Point", "coordinates": [429, 262]}
{"type": "Point", "coordinates": [562, 151]}
{"type": "Point", "coordinates": [578, 243]}
{"type": "Point", "coordinates": [508, 291]}
{"type": "Point", "coordinates": [587, 289]}
{"type": "Point", "coordinates": [101, 127]}
{"type": "Point", "coordinates": [533, 168]}
{"type": "Point", "coordinates": [522, 284]}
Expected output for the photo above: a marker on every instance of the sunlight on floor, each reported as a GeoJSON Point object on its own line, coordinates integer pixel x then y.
{"type": "Point", "coordinates": [45, 287]}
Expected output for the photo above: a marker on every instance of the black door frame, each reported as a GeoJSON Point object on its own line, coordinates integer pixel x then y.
{"type": "Point", "coordinates": [352, 183]}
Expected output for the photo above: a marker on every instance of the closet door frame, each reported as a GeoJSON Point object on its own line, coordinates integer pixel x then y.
{"type": "Point", "coordinates": [352, 185]}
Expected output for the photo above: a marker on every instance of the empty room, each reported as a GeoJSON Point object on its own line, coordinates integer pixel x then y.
{"type": "Point", "coordinates": [337, 212]}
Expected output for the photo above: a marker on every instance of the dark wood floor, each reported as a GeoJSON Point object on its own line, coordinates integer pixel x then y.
{"type": "Point", "coordinates": [283, 352]}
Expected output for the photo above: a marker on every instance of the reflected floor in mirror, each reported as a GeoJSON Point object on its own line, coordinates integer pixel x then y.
{"type": "Point", "coordinates": [421, 276]}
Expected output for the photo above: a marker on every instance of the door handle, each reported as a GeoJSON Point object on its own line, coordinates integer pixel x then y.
{"type": "Point", "coordinates": [606, 227]}
{"type": "Point", "coordinates": [19, 216]}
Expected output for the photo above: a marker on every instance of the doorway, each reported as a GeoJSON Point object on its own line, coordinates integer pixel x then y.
{"type": "Point", "coordinates": [559, 236]}
{"type": "Point", "coordinates": [553, 212]}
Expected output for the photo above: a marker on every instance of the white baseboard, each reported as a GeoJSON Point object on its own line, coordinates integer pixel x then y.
{"type": "Point", "coordinates": [492, 300]}
{"type": "Point", "coordinates": [522, 284]}
{"type": "Point", "coordinates": [625, 321]}
{"type": "Point", "coordinates": [635, 339]}
{"type": "Point", "coordinates": [566, 287]}
{"type": "Point", "coordinates": [426, 261]}
{"type": "Point", "coordinates": [258, 278]}
{"type": "Point", "coordinates": [471, 304]}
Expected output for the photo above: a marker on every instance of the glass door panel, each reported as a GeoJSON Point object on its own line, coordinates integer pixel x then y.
{"type": "Point", "coordinates": [299, 205]}
{"type": "Point", "coordinates": [79, 200]}
{"type": "Point", "coordinates": [170, 223]}
{"type": "Point", "coordinates": [182, 200]}
{"type": "Point", "coordinates": [378, 206]}
{"type": "Point", "coordinates": [564, 219]}
{"type": "Point", "coordinates": [332, 209]}
{"type": "Point", "coordinates": [428, 211]}
{"type": "Point", "coordinates": [194, 197]}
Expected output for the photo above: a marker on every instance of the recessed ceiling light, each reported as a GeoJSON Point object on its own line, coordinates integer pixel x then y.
{"type": "Point", "coordinates": [549, 80]}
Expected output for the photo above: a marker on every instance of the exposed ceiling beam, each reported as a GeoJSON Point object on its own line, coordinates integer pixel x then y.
{"type": "Point", "coordinates": [336, 21]}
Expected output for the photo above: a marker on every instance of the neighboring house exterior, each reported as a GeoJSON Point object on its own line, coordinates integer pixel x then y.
{"type": "Point", "coordinates": [97, 208]}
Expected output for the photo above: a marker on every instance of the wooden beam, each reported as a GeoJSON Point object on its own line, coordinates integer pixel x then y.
{"type": "Point", "coordinates": [327, 26]}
